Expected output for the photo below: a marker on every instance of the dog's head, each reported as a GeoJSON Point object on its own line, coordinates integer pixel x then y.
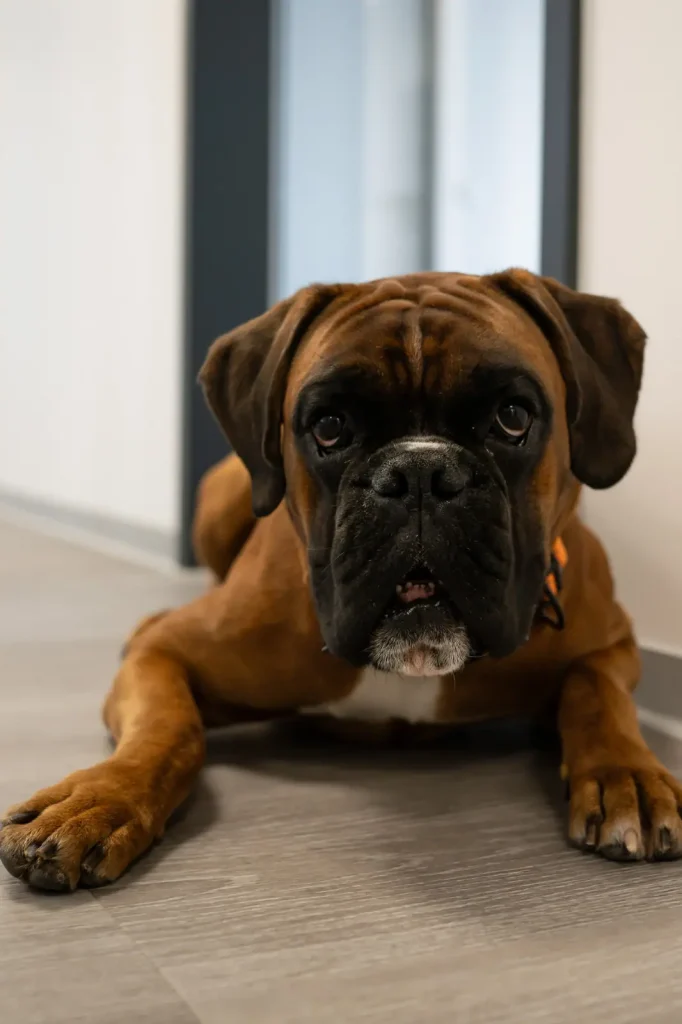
{"type": "Point", "coordinates": [429, 434]}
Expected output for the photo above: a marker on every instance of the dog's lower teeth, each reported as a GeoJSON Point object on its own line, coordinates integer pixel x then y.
{"type": "Point", "coordinates": [415, 591]}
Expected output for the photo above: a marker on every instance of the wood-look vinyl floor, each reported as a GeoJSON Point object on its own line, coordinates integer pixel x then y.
{"type": "Point", "coordinates": [306, 883]}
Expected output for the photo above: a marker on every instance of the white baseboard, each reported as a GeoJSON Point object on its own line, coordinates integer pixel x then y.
{"type": "Point", "coordinates": [142, 545]}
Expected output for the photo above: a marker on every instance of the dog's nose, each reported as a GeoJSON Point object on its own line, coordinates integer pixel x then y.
{"type": "Point", "coordinates": [410, 473]}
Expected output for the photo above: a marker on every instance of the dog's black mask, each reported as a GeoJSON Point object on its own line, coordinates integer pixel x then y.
{"type": "Point", "coordinates": [426, 545]}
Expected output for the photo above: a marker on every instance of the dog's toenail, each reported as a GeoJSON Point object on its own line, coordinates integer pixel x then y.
{"type": "Point", "coordinates": [93, 857]}
{"type": "Point", "coordinates": [593, 823]}
{"type": "Point", "coordinates": [631, 841]}
{"type": "Point", "coordinates": [21, 818]}
{"type": "Point", "coordinates": [55, 881]}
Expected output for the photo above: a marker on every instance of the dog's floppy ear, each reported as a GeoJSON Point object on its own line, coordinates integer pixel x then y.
{"type": "Point", "coordinates": [600, 350]}
{"type": "Point", "coordinates": [244, 380]}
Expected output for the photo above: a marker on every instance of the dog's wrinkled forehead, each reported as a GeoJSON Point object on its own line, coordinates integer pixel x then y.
{"type": "Point", "coordinates": [422, 341]}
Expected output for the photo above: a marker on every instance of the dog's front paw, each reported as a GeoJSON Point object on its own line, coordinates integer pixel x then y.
{"type": "Point", "coordinates": [626, 812]}
{"type": "Point", "coordinates": [86, 830]}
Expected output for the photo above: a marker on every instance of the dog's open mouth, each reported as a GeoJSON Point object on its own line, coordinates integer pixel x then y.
{"type": "Point", "coordinates": [421, 632]}
{"type": "Point", "coordinates": [416, 590]}
{"type": "Point", "coordinates": [419, 589]}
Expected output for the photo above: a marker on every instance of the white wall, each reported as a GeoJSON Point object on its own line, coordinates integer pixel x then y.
{"type": "Point", "coordinates": [91, 183]}
{"type": "Point", "coordinates": [630, 247]}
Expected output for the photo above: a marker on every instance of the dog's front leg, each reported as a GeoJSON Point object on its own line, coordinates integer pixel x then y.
{"type": "Point", "coordinates": [623, 803]}
{"type": "Point", "coordinates": [93, 824]}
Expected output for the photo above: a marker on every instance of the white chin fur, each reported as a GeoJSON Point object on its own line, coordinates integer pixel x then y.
{"type": "Point", "coordinates": [436, 654]}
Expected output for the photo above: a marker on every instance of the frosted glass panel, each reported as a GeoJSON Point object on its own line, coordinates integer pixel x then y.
{"type": "Point", "coordinates": [352, 178]}
{"type": "Point", "coordinates": [408, 137]}
{"type": "Point", "coordinates": [489, 61]}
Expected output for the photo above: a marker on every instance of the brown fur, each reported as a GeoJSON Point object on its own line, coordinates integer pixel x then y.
{"type": "Point", "coordinates": [251, 648]}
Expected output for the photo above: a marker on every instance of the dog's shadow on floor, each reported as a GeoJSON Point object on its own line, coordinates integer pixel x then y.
{"type": "Point", "coordinates": [482, 765]}
{"type": "Point", "coordinates": [439, 769]}
{"type": "Point", "coordinates": [300, 750]}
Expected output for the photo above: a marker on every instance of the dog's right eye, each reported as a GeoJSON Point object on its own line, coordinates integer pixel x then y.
{"type": "Point", "coordinates": [512, 422]}
{"type": "Point", "coordinates": [329, 431]}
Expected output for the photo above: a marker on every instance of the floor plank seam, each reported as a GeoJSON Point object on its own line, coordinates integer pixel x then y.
{"type": "Point", "coordinates": [137, 945]}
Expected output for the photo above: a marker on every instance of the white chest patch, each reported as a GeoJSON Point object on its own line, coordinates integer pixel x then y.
{"type": "Point", "coordinates": [379, 696]}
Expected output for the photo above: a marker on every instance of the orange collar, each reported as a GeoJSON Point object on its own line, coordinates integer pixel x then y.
{"type": "Point", "coordinates": [557, 564]}
{"type": "Point", "coordinates": [549, 609]}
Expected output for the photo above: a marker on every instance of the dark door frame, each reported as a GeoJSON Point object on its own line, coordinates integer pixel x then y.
{"type": "Point", "coordinates": [230, 62]}
{"type": "Point", "coordinates": [559, 248]}
{"type": "Point", "coordinates": [227, 199]}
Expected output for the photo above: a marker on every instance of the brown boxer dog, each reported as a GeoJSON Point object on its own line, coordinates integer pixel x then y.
{"type": "Point", "coordinates": [413, 449]}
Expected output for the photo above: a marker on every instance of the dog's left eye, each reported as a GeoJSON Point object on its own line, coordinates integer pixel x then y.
{"type": "Point", "coordinates": [329, 430]}
{"type": "Point", "coordinates": [513, 421]}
